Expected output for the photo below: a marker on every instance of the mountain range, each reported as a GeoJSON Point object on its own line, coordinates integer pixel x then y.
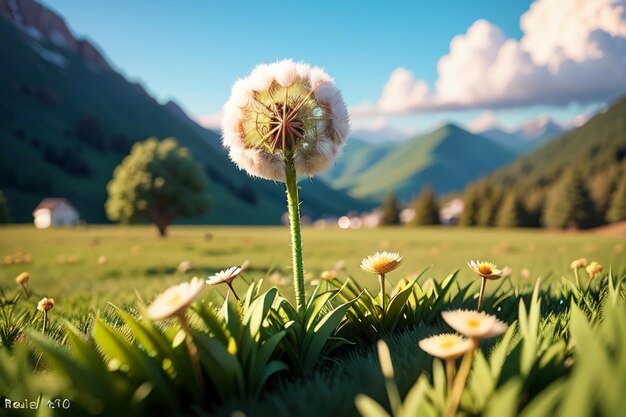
{"type": "Point", "coordinates": [446, 159]}
{"type": "Point", "coordinates": [528, 137]}
{"type": "Point", "coordinates": [67, 118]}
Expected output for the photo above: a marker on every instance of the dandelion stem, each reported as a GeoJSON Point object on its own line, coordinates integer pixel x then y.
{"type": "Point", "coordinates": [45, 322]}
{"type": "Point", "coordinates": [293, 205]}
{"type": "Point", "coordinates": [454, 396]}
{"type": "Point", "coordinates": [233, 290]}
{"type": "Point", "coordinates": [382, 293]}
{"type": "Point", "coordinates": [483, 284]}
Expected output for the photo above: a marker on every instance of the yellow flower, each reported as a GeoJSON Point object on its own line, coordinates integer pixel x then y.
{"type": "Point", "coordinates": [446, 346]}
{"type": "Point", "coordinates": [175, 300]}
{"type": "Point", "coordinates": [381, 262]}
{"type": "Point", "coordinates": [329, 275]}
{"type": "Point", "coordinates": [474, 324]}
{"type": "Point", "coordinates": [226, 275]}
{"type": "Point", "coordinates": [593, 269]}
{"type": "Point", "coordinates": [22, 278]}
{"type": "Point", "coordinates": [578, 263]}
{"type": "Point", "coordinates": [486, 270]}
{"type": "Point", "coordinates": [103, 260]}
{"type": "Point", "coordinates": [45, 304]}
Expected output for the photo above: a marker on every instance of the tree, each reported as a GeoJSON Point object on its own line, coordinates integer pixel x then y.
{"type": "Point", "coordinates": [426, 208]}
{"type": "Point", "coordinates": [390, 211]}
{"type": "Point", "coordinates": [489, 199]}
{"type": "Point", "coordinates": [470, 207]}
{"type": "Point", "coordinates": [617, 210]}
{"type": "Point", "coordinates": [158, 181]}
{"type": "Point", "coordinates": [511, 212]}
{"type": "Point", "coordinates": [4, 209]}
{"type": "Point", "coordinates": [570, 205]}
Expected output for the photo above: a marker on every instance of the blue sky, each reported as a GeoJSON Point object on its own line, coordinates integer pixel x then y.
{"type": "Point", "coordinates": [194, 53]}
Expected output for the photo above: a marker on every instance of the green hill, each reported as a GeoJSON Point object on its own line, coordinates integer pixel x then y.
{"type": "Point", "coordinates": [447, 159]}
{"type": "Point", "coordinates": [594, 152]}
{"type": "Point", "coordinates": [66, 121]}
{"type": "Point", "coordinates": [593, 147]}
{"type": "Point", "coordinates": [357, 156]}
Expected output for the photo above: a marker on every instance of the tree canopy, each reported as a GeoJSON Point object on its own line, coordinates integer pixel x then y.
{"type": "Point", "coordinates": [158, 181]}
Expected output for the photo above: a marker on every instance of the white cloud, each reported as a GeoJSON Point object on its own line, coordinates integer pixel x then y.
{"type": "Point", "coordinates": [484, 121]}
{"type": "Point", "coordinates": [571, 51]}
{"type": "Point", "coordinates": [402, 91]}
{"type": "Point", "coordinates": [211, 121]}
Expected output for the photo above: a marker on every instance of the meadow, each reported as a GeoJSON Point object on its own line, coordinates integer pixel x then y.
{"type": "Point", "coordinates": [65, 261]}
{"type": "Point", "coordinates": [261, 357]}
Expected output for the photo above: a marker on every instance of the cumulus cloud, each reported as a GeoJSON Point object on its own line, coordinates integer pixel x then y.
{"type": "Point", "coordinates": [570, 51]}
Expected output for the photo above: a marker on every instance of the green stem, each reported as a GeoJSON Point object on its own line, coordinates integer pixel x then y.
{"type": "Point", "coordinates": [296, 238]}
{"type": "Point", "coordinates": [382, 293]}
{"type": "Point", "coordinates": [45, 321]}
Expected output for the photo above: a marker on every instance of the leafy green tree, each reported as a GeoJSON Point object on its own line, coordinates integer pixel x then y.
{"type": "Point", "coordinates": [390, 211]}
{"type": "Point", "coordinates": [617, 211]}
{"type": "Point", "coordinates": [4, 209]}
{"type": "Point", "coordinates": [570, 205]}
{"type": "Point", "coordinates": [158, 181]}
{"type": "Point", "coordinates": [511, 212]}
{"type": "Point", "coordinates": [426, 208]}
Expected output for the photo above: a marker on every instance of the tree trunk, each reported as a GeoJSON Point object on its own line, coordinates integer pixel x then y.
{"type": "Point", "coordinates": [161, 221]}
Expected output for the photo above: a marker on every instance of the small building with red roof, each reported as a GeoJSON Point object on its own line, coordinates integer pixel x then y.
{"type": "Point", "coordinates": [55, 212]}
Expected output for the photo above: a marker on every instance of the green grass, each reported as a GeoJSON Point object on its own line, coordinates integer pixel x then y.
{"type": "Point", "coordinates": [140, 265]}
{"type": "Point", "coordinates": [139, 261]}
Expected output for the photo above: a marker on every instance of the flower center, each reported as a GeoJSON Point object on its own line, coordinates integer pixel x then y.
{"type": "Point", "coordinates": [485, 269]}
{"type": "Point", "coordinates": [473, 323]}
{"type": "Point", "coordinates": [447, 344]}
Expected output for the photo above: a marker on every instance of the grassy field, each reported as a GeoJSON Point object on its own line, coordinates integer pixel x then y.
{"type": "Point", "coordinates": [65, 261]}
{"type": "Point", "coordinates": [565, 323]}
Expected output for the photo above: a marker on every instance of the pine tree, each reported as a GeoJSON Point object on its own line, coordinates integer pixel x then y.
{"type": "Point", "coordinates": [617, 210]}
{"type": "Point", "coordinates": [511, 212]}
{"type": "Point", "coordinates": [470, 207]}
{"type": "Point", "coordinates": [426, 208]}
{"type": "Point", "coordinates": [489, 199]}
{"type": "Point", "coordinates": [570, 205]}
{"type": "Point", "coordinates": [390, 211]}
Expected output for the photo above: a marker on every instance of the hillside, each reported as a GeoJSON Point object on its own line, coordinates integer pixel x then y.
{"type": "Point", "coordinates": [357, 156]}
{"type": "Point", "coordinates": [447, 159]}
{"type": "Point", "coordinates": [598, 144]}
{"type": "Point", "coordinates": [67, 119]}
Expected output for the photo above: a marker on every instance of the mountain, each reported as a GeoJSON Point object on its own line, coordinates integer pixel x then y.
{"type": "Point", "coordinates": [592, 147]}
{"type": "Point", "coordinates": [530, 136]}
{"type": "Point", "coordinates": [357, 156]}
{"type": "Point", "coordinates": [446, 158]}
{"type": "Point", "coordinates": [67, 118]}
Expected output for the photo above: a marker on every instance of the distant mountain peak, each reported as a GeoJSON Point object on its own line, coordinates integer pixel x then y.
{"type": "Point", "coordinates": [43, 24]}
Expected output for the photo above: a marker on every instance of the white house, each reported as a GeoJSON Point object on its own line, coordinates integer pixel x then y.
{"type": "Point", "coordinates": [55, 212]}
